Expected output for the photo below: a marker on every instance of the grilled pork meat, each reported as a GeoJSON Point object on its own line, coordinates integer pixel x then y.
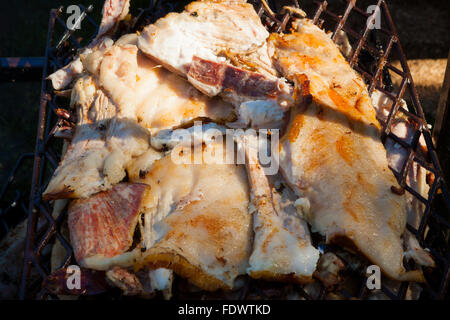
{"type": "Point", "coordinates": [88, 148]}
{"type": "Point", "coordinates": [220, 47]}
{"type": "Point", "coordinates": [206, 30]}
{"type": "Point", "coordinates": [106, 137]}
{"type": "Point", "coordinates": [196, 219]}
{"type": "Point", "coordinates": [125, 97]}
{"type": "Point", "coordinates": [154, 97]}
{"type": "Point", "coordinates": [195, 216]}
{"type": "Point", "coordinates": [332, 155]}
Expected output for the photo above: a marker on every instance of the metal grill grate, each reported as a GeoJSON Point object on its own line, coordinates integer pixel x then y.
{"type": "Point", "coordinates": [372, 54]}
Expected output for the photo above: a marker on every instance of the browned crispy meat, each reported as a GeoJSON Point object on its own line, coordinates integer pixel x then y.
{"type": "Point", "coordinates": [332, 154]}
{"type": "Point", "coordinates": [221, 48]}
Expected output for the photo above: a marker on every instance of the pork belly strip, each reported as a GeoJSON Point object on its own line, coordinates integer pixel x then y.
{"type": "Point", "coordinates": [102, 226]}
{"type": "Point", "coordinates": [123, 99]}
{"type": "Point", "coordinates": [282, 248]}
{"type": "Point", "coordinates": [332, 155]}
{"type": "Point", "coordinates": [205, 29]}
{"type": "Point", "coordinates": [88, 149]}
{"type": "Point", "coordinates": [196, 218]}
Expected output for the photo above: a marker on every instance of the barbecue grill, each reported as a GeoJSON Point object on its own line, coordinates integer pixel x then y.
{"type": "Point", "coordinates": [372, 54]}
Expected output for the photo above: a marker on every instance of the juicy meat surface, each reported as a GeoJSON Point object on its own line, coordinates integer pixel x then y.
{"type": "Point", "coordinates": [103, 144]}
{"type": "Point", "coordinates": [221, 48]}
{"type": "Point", "coordinates": [196, 219]}
{"type": "Point", "coordinates": [165, 100]}
{"type": "Point", "coordinates": [332, 154]}
{"type": "Point", "coordinates": [102, 226]}
{"type": "Point", "coordinates": [154, 97]}
{"type": "Point", "coordinates": [213, 78]}
{"type": "Point", "coordinates": [204, 29]}
{"type": "Point", "coordinates": [125, 98]}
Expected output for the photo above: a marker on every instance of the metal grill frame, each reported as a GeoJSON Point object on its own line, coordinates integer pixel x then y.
{"type": "Point", "coordinates": [43, 228]}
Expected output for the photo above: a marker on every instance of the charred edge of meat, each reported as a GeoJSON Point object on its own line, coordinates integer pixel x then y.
{"type": "Point", "coordinates": [397, 190]}
{"type": "Point", "coordinates": [137, 237]}
{"type": "Point", "coordinates": [64, 194]}
{"type": "Point", "coordinates": [329, 269]}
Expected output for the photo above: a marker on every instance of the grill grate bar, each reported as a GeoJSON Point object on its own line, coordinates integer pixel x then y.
{"type": "Point", "coordinates": [343, 19]}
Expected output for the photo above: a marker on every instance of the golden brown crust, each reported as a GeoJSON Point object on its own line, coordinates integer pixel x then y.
{"type": "Point", "coordinates": [166, 258]}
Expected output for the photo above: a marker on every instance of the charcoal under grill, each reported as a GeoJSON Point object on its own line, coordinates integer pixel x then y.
{"type": "Point", "coordinates": [372, 54]}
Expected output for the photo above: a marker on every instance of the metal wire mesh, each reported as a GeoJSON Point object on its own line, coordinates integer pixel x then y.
{"type": "Point", "coordinates": [379, 45]}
